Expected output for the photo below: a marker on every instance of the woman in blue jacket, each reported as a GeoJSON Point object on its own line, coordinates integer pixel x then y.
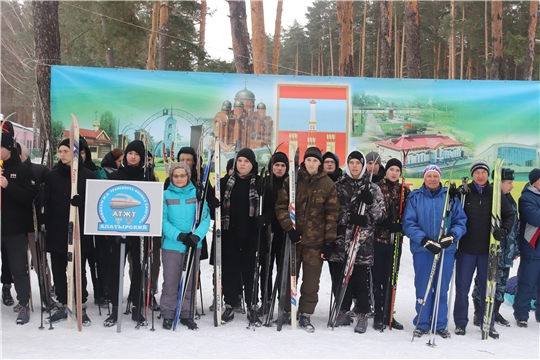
{"type": "Point", "coordinates": [179, 233]}
{"type": "Point", "coordinates": [421, 224]}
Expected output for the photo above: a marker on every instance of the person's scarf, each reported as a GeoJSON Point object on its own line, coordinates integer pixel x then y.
{"type": "Point", "coordinates": [226, 204]}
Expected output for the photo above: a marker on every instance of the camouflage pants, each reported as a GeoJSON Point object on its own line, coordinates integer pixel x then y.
{"type": "Point", "coordinates": [502, 279]}
{"type": "Point", "coordinates": [309, 258]}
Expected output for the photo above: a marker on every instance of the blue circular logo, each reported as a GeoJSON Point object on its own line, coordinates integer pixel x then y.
{"type": "Point", "coordinates": [124, 208]}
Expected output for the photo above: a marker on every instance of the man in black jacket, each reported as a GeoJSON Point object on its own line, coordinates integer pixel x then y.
{"type": "Point", "coordinates": [18, 192]}
{"type": "Point", "coordinates": [473, 249]}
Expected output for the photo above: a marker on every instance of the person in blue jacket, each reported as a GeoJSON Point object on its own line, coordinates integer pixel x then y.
{"type": "Point", "coordinates": [179, 233]}
{"type": "Point", "coordinates": [529, 239]}
{"type": "Point", "coordinates": [421, 224]}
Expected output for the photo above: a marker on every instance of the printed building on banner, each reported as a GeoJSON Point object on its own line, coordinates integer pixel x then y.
{"type": "Point", "coordinates": [314, 116]}
{"type": "Point", "coordinates": [423, 149]}
{"type": "Point", "coordinates": [240, 121]}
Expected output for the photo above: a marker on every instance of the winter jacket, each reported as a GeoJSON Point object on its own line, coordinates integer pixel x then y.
{"type": "Point", "coordinates": [17, 197]}
{"type": "Point", "coordinates": [529, 215]}
{"type": "Point", "coordinates": [56, 198]}
{"type": "Point", "coordinates": [478, 211]}
{"type": "Point", "coordinates": [179, 205]}
{"type": "Point", "coordinates": [510, 244]}
{"type": "Point", "coordinates": [108, 164]}
{"type": "Point", "coordinates": [392, 194]}
{"type": "Point", "coordinates": [317, 207]}
{"type": "Point", "coordinates": [348, 190]}
{"type": "Point", "coordinates": [422, 218]}
{"type": "Point", "coordinates": [39, 172]}
{"type": "Point", "coordinates": [133, 173]}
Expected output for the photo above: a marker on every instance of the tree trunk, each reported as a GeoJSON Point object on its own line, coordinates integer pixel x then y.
{"type": "Point", "coordinates": [345, 21]}
{"type": "Point", "coordinates": [529, 55]}
{"type": "Point", "coordinates": [364, 38]}
{"type": "Point", "coordinates": [47, 50]}
{"type": "Point", "coordinates": [109, 57]}
{"type": "Point", "coordinates": [260, 58]}
{"type": "Point", "coordinates": [163, 61]}
{"type": "Point", "coordinates": [277, 38]}
{"type": "Point", "coordinates": [150, 64]}
{"type": "Point", "coordinates": [377, 53]}
{"type": "Point", "coordinates": [462, 57]}
{"type": "Point", "coordinates": [202, 34]}
{"type": "Point", "coordinates": [452, 43]}
{"type": "Point", "coordinates": [497, 72]}
{"type": "Point", "coordinates": [296, 62]}
{"type": "Point", "coordinates": [240, 37]}
{"type": "Point", "coordinates": [331, 72]}
{"type": "Point", "coordinates": [386, 40]}
{"type": "Point", "coordinates": [402, 51]}
{"type": "Point", "coordinates": [486, 36]}
{"type": "Point", "coordinates": [412, 39]}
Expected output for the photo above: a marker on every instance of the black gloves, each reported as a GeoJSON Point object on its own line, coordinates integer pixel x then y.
{"type": "Point", "coordinates": [327, 250]}
{"type": "Point", "coordinates": [214, 203]}
{"type": "Point", "coordinates": [391, 226]}
{"type": "Point", "coordinates": [260, 221]}
{"type": "Point", "coordinates": [358, 220]}
{"type": "Point", "coordinates": [366, 197]}
{"type": "Point", "coordinates": [454, 191]}
{"type": "Point", "coordinates": [76, 201]}
{"type": "Point", "coordinates": [499, 233]}
{"type": "Point", "coordinates": [431, 245]}
{"type": "Point", "coordinates": [189, 240]}
{"type": "Point", "coordinates": [182, 236]}
{"type": "Point", "coordinates": [446, 240]}
{"type": "Point", "coordinates": [294, 236]}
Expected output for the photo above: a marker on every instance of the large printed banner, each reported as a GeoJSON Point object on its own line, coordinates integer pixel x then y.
{"type": "Point", "coordinates": [443, 122]}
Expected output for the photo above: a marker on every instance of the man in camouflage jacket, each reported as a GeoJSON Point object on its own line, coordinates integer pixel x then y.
{"type": "Point", "coordinates": [317, 210]}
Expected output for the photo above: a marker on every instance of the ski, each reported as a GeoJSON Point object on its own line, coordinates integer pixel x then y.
{"type": "Point", "coordinates": [217, 235]}
{"type": "Point", "coordinates": [292, 215]}
{"type": "Point", "coordinates": [165, 159]}
{"type": "Point", "coordinates": [74, 263]}
{"type": "Point", "coordinates": [190, 253]}
{"type": "Point", "coordinates": [396, 239]}
{"type": "Point", "coordinates": [494, 250]}
{"type": "Point", "coordinates": [283, 281]}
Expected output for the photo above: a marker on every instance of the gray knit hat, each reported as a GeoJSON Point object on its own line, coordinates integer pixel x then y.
{"type": "Point", "coordinates": [179, 165]}
{"type": "Point", "coordinates": [479, 164]}
{"type": "Point", "coordinates": [373, 156]}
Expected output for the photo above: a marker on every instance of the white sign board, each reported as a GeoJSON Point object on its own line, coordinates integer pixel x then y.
{"type": "Point", "coordinates": [123, 208]}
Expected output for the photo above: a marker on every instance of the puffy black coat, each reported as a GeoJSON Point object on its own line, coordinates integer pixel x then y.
{"type": "Point", "coordinates": [478, 211]}
{"type": "Point", "coordinates": [57, 196]}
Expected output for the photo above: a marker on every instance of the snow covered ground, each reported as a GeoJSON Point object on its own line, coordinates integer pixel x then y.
{"type": "Point", "coordinates": [235, 341]}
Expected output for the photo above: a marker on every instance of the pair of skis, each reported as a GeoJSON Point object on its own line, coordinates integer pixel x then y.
{"type": "Point", "coordinates": [289, 255]}
{"type": "Point", "coordinates": [189, 261]}
{"type": "Point", "coordinates": [396, 239]}
{"type": "Point", "coordinates": [494, 250]}
{"type": "Point", "coordinates": [74, 234]}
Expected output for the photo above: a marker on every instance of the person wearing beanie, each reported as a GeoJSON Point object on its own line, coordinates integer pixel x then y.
{"type": "Point", "coordinates": [229, 169]}
{"type": "Point", "coordinates": [18, 188]}
{"type": "Point", "coordinates": [240, 225]}
{"type": "Point", "coordinates": [57, 203]}
{"type": "Point", "coordinates": [509, 251]}
{"type": "Point", "coordinates": [178, 236]}
{"type": "Point", "coordinates": [317, 211]}
{"type": "Point", "coordinates": [279, 165]}
{"type": "Point", "coordinates": [386, 234]}
{"type": "Point", "coordinates": [132, 168]}
{"type": "Point", "coordinates": [474, 245]}
{"type": "Point", "coordinates": [421, 224]}
{"type": "Point", "coordinates": [529, 247]}
{"type": "Point", "coordinates": [113, 160]}
{"type": "Point", "coordinates": [331, 165]}
{"type": "Point", "coordinates": [355, 191]}
{"type": "Point", "coordinates": [188, 156]}
{"type": "Point", "coordinates": [373, 165]}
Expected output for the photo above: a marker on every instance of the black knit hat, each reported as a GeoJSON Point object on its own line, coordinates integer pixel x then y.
{"type": "Point", "coordinates": [138, 147]}
{"type": "Point", "coordinates": [534, 175]}
{"type": "Point", "coordinates": [7, 126]}
{"type": "Point", "coordinates": [64, 142]}
{"type": "Point", "coordinates": [230, 164]}
{"type": "Point", "coordinates": [280, 157]}
{"type": "Point", "coordinates": [187, 150]}
{"type": "Point", "coordinates": [248, 154]}
{"type": "Point", "coordinates": [355, 154]}
{"type": "Point", "coordinates": [393, 162]}
{"type": "Point", "coordinates": [7, 141]}
{"type": "Point", "coordinates": [313, 152]}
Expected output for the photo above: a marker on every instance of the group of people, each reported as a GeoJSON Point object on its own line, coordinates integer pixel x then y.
{"type": "Point", "coordinates": [364, 210]}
